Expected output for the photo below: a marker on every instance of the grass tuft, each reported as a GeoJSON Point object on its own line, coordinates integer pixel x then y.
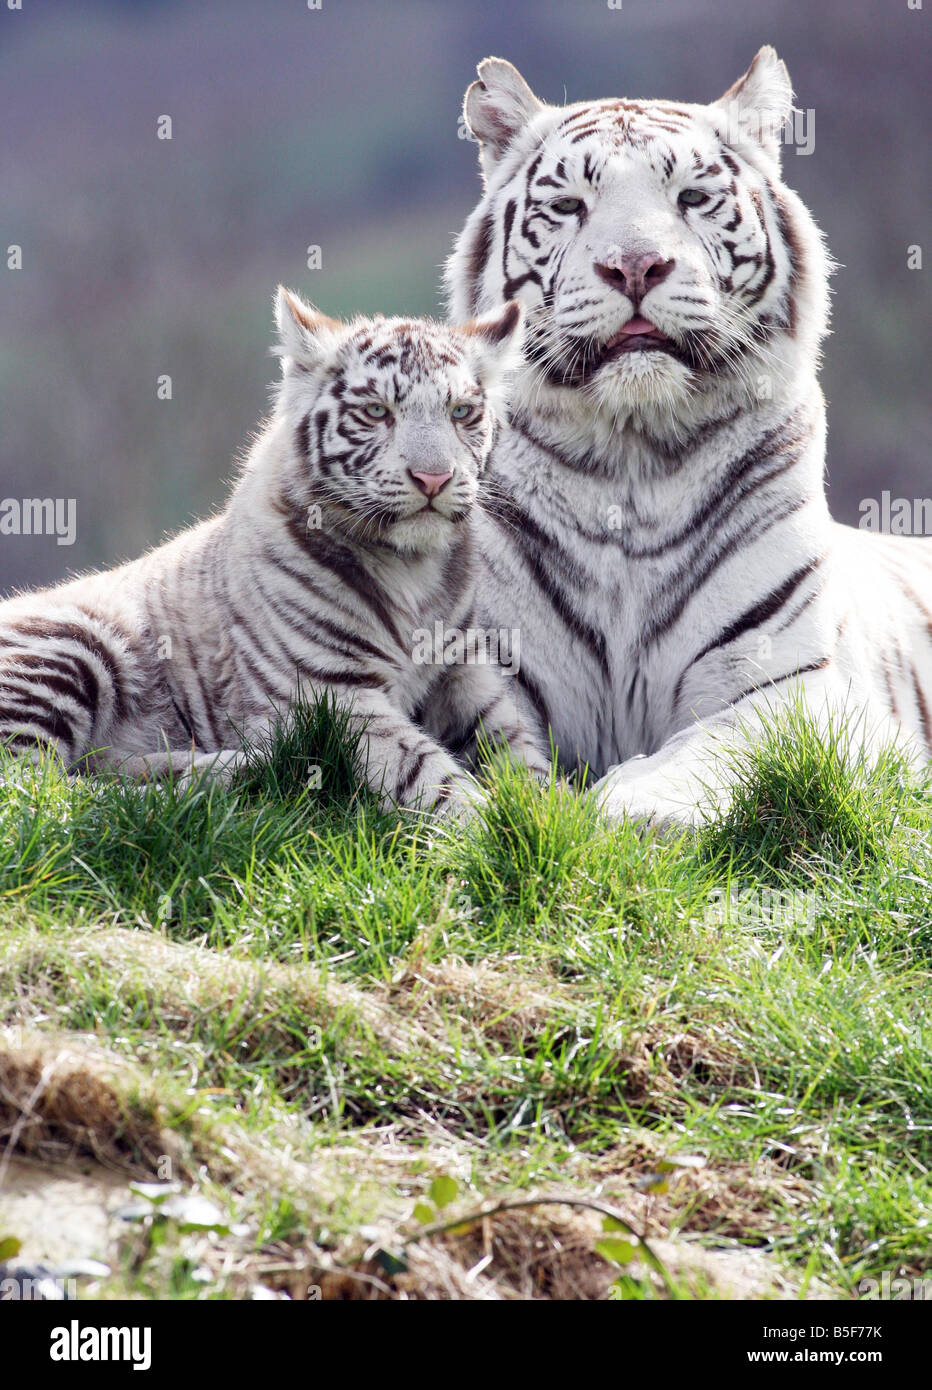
{"type": "Point", "coordinates": [805, 793]}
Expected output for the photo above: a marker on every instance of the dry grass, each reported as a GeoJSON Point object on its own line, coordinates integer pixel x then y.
{"type": "Point", "coordinates": [63, 1098]}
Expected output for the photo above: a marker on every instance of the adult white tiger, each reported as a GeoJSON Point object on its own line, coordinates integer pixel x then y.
{"type": "Point", "coordinates": [659, 531]}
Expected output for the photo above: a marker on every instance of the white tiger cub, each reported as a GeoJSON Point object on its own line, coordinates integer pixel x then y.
{"type": "Point", "coordinates": [350, 528]}
{"type": "Point", "coordinates": [658, 530]}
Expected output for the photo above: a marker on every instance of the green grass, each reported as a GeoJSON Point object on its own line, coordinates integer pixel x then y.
{"type": "Point", "coordinates": [537, 1001]}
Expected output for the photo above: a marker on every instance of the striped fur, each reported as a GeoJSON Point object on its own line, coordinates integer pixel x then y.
{"type": "Point", "coordinates": [337, 546]}
{"type": "Point", "coordinates": [657, 525]}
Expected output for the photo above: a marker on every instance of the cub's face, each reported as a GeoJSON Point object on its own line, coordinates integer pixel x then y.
{"type": "Point", "coordinates": [393, 419]}
{"type": "Point", "coordinates": [655, 249]}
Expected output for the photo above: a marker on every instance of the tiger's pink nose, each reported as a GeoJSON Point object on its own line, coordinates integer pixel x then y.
{"type": "Point", "coordinates": [430, 483]}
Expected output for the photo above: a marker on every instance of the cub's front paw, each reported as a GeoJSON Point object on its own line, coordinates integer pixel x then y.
{"type": "Point", "coordinates": [460, 800]}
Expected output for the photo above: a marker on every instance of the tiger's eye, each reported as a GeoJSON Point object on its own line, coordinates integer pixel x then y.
{"type": "Point", "coordinates": [461, 411]}
{"type": "Point", "coordinates": [567, 205]}
{"type": "Point", "coordinates": [375, 411]}
{"type": "Point", "coordinates": [693, 197]}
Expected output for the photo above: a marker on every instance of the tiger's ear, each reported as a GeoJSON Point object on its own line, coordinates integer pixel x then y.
{"type": "Point", "coordinates": [495, 340]}
{"type": "Point", "coordinates": [304, 333]}
{"type": "Point", "coordinates": [497, 108]}
{"type": "Point", "coordinates": [759, 104]}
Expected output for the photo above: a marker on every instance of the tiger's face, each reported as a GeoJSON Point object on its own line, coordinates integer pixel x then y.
{"type": "Point", "coordinates": [392, 420]}
{"type": "Point", "coordinates": [659, 257]}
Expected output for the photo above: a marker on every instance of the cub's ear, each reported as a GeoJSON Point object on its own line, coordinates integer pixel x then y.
{"type": "Point", "coordinates": [497, 108]}
{"type": "Point", "coordinates": [495, 340]}
{"type": "Point", "coordinates": [304, 333]}
{"type": "Point", "coordinates": [759, 104]}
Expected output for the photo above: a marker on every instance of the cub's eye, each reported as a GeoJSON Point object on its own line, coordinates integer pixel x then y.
{"type": "Point", "coordinates": [568, 205]}
{"type": "Point", "coordinates": [463, 411]}
{"type": "Point", "coordinates": [375, 411]}
{"type": "Point", "coordinates": [693, 197]}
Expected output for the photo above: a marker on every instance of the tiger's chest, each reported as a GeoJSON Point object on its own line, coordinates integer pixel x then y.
{"type": "Point", "coordinates": [428, 628]}
{"type": "Point", "coordinates": [604, 686]}
{"type": "Point", "coordinates": [434, 640]}
{"type": "Point", "coordinates": [562, 575]}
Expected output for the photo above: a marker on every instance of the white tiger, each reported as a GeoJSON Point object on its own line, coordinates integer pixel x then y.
{"type": "Point", "coordinates": [350, 529]}
{"type": "Point", "coordinates": [659, 531]}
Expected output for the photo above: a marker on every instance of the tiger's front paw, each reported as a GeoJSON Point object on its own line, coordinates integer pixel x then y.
{"type": "Point", "coordinates": [457, 798]}
{"type": "Point", "coordinates": [541, 769]}
{"type": "Point", "coordinates": [220, 767]}
{"type": "Point", "coordinates": [651, 803]}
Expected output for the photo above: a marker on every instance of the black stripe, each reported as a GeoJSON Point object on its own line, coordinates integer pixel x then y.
{"type": "Point", "coordinates": [180, 699]}
{"type": "Point", "coordinates": [71, 632]}
{"type": "Point", "coordinates": [343, 563]}
{"type": "Point", "coordinates": [72, 667]}
{"type": "Point", "coordinates": [487, 709]}
{"type": "Point", "coordinates": [688, 582]}
{"type": "Point", "coordinates": [404, 785]}
{"type": "Point", "coordinates": [916, 601]}
{"type": "Point", "coordinates": [182, 718]}
{"type": "Point", "coordinates": [367, 679]}
{"type": "Point", "coordinates": [443, 793]}
{"type": "Point", "coordinates": [37, 683]}
{"type": "Point", "coordinates": [261, 678]}
{"type": "Point", "coordinates": [479, 254]}
{"type": "Point", "coordinates": [303, 438]}
{"type": "Point", "coordinates": [25, 741]}
{"type": "Point", "coordinates": [759, 612]}
{"type": "Point", "coordinates": [301, 668]}
{"type": "Point", "coordinates": [891, 693]}
{"type": "Point", "coordinates": [51, 720]}
{"type": "Point", "coordinates": [925, 715]}
{"type": "Point", "coordinates": [797, 611]}
{"type": "Point", "coordinates": [309, 626]}
{"type": "Point", "coordinates": [819, 665]}
{"type": "Point", "coordinates": [530, 541]}
{"type": "Point", "coordinates": [794, 252]}
{"type": "Point", "coordinates": [536, 696]}
{"type": "Point", "coordinates": [284, 661]}
{"type": "Point", "coordinates": [305, 581]}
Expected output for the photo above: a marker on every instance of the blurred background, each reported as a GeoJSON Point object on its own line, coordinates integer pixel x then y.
{"type": "Point", "coordinates": [338, 127]}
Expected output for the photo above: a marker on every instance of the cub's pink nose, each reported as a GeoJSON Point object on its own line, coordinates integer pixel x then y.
{"type": "Point", "coordinates": [430, 483]}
